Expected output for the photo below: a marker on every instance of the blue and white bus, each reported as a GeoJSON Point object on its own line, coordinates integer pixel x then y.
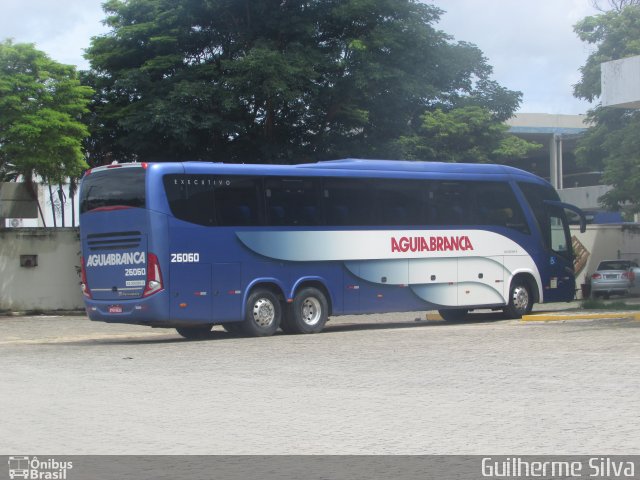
{"type": "Point", "coordinates": [255, 248]}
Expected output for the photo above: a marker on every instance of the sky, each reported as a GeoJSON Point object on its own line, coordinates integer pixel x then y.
{"type": "Point", "coordinates": [530, 43]}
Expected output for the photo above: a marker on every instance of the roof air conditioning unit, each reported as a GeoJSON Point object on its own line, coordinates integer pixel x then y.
{"type": "Point", "coordinates": [14, 222]}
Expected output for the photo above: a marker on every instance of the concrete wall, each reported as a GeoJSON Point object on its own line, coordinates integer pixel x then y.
{"type": "Point", "coordinates": [547, 123]}
{"type": "Point", "coordinates": [51, 285]}
{"type": "Point", "coordinates": [584, 197]}
{"type": "Point", "coordinates": [604, 242]}
{"type": "Point", "coordinates": [620, 80]}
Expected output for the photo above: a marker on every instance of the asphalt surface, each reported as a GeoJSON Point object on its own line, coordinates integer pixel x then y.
{"type": "Point", "coordinates": [376, 384]}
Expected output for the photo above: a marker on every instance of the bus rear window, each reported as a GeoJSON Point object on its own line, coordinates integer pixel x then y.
{"type": "Point", "coordinates": [117, 187]}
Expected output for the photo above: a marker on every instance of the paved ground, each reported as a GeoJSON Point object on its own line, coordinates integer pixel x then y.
{"type": "Point", "coordinates": [380, 384]}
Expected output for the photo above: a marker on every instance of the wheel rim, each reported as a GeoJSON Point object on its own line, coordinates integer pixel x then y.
{"type": "Point", "coordinates": [520, 298]}
{"type": "Point", "coordinates": [264, 312]}
{"type": "Point", "coordinates": [311, 311]}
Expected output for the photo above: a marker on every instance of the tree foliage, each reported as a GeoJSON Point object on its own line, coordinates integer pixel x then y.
{"type": "Point", "coordinates": [281, 81]}
{"type": "Point", "coordinates": [611, 144]}
{"type": "Point", "coordinates": [615, 34]}
{"type": "Point", "coordinates": [41, 102]}
{"type": "Point", "coordinates": [466, 134]}
{"type": "Point", "coordinates": [617, 5]}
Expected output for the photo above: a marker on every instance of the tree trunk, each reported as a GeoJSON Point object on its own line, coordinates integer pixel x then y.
{"type": "Point", "coordinates": [63, 202]}
{"type": "Point", "coordinates": [32, 188]}
{"type": "Point", "coordinates": [53, 206]}
{"type": "Point", "coordinates": [73, 185]}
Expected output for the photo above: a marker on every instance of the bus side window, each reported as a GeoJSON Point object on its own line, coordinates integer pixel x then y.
{"type": "Point", "coordinates": [497, 205]}
{"type": "Point", "coordinates": [190, 202]}
{"type": "Point", "coordinates": [276, 215]}
{"type": "Point", "coordinates": [347, 202]}
{"type": "Point", "coordinates": [337, 215]}
{"type": "Point", "coordinates": [309, 215]}
{"type": "Point", "coordinates": [236, 200]}
{"type": "Point", "coordinates": [558, 237]}
{"type": "Point", "coordinates": [236, 215]}
{"type": "Point", "coordinates": [201, 208]}
{"type": "Point", "coordinates": [449, 204]}
{"type": "Point", "coordinates": [293, 202]}
{"type": "Point", "coordinates": [398, 201]}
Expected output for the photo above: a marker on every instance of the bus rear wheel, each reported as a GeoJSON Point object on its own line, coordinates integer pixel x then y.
{"type": "Point", "coordinates": [308, 313]}
{"type": "Point", "coordinates": [454, 314]}
{"type": "Point", "coordinates": [199, 332]}
{"type": "Point", "coordinates": [263, 314]}
{"type": "Point", "coordinates": [520, 300]}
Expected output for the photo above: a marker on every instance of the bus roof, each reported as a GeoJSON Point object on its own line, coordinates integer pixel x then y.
{"type": "Point", "coordinates": [414, 166]}
{"type": "Point", "coordinates": [397, 168]}
{"type": "Point", "coordinates": [351, 167]}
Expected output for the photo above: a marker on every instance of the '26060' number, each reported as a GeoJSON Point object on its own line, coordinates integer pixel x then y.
{"type": "Point", "coordinates": [185, 257]}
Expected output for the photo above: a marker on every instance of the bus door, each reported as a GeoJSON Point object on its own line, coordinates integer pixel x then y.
{"type": "Point", "coordinates": [559, 285]}
{"type": "Point", "coordinates": [190, 291]}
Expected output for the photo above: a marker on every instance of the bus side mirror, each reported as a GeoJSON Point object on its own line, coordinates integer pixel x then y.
{"type": "Point", "coordinates": [574, 209]}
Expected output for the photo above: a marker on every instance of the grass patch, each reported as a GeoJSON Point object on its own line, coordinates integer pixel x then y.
{"type": "Point", "coordinates": [594, 304]}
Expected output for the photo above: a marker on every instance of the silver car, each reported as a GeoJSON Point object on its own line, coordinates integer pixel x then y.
{"type": "Point", "coordinates": [613, 277]}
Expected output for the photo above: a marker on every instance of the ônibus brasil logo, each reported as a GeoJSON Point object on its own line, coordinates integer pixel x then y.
{"type": "Point", "coordinates": [36, 469]}
{"type": "Point", "coordinates": [431, 244]}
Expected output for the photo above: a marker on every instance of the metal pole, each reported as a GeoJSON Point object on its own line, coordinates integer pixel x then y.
{"type": "Point", "coordinates": [560, 168]}
{"type": "Point", "coordinates": [553, 162]}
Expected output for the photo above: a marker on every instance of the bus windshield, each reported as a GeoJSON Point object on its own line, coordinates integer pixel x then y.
{"type": "Point", "coordinates": [112, 189]}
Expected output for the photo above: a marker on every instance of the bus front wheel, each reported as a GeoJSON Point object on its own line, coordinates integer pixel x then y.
{"type": "Point", "coordinates": [199, 332]}
{"type": "Point", "coordinates": [263, 314]}
{"type": "Point", "coordinates": [308, 313]}
{"type": "Point", "coordinates": [520, 300]}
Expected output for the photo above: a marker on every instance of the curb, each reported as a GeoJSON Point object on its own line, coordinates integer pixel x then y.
{"type": "Point", "coordinates": [559, 316]}
{"type": "Point", "coordinates": [42, 313]}
{"type": "Point", "coordinates": [562, 316]}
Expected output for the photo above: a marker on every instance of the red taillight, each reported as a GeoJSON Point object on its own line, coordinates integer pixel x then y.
{"type": "Point", "coordinates": [83, 278]}
{"type": "Point", "coordinates": [154, 276]}
{"type": "Point", "coordinates": [596, 276]}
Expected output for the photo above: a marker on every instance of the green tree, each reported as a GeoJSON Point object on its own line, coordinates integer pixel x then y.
{"type": "Point", "coordinates": [466, 134]}
{"type": "Point", "coordinates": [41, 103]}
{"type": "Point", "coordinates": [611, 144]}
{"type": "Point", "coordinates": [278, 81]}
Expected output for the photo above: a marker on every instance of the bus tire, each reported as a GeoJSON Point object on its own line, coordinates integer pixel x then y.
{"type": "Point", "coordinates": [199, 332]}
{"type": "Point", "coordinates": [454, 314]}
{"type": "Point", "coordinates": [263, 314]}
{"type": "Point", "coordinates": [520, 299]}
{"type": "Point", "coordinates": [308, 313]}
